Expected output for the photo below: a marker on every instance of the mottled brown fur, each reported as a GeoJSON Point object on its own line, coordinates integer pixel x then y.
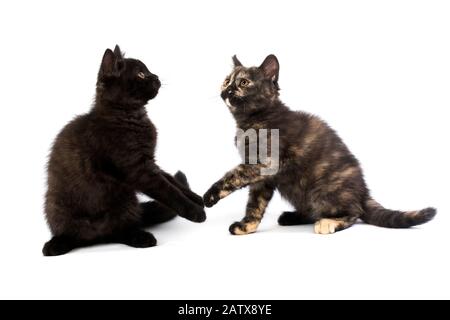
{"type": "Point", "coordinates": [318, 174]}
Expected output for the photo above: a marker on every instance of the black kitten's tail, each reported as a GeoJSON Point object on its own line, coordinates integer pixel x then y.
{"type": "Point", "coordinates": [377, 215]}
{"type": "Point", "coordinates": [154, 212]}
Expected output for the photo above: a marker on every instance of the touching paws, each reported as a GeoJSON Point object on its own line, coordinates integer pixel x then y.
{"type": "Point", "coordinates": [242, 228]}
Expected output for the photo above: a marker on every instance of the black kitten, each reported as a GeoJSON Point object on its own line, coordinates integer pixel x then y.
{"type": "Point", "coordinates": [101, 159]}
{"type": "Point", "coordinates": [315, 172]}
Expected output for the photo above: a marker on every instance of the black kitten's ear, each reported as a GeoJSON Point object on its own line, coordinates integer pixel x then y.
{"type": "Point", "coordinates": [108, 63]}
{"type": "Point", "coordinates": [271, 68]}
{"type": "Point", "coordinates": [112, 64]}
{"type": "Point", "coordinates": [118, 52]}
{"type": "Point", "coordinates": [236, 62]}
{"type": "Point", "coordinates": [120, 64]}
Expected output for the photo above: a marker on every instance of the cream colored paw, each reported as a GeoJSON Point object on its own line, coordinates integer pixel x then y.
{"type": "Point", "coordinates": [240, 228]}
{"type": "Point", "coordinates": [326, 226]}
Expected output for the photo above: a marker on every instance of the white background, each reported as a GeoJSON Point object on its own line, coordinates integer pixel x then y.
{"type": "Point", "coordinates": [377, 71]}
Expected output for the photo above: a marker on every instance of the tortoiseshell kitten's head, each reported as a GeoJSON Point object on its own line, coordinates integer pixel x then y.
{"type": "Point", "coordinates": [249, 89]}
{"type": "Point", "coordinates": [125, 82]}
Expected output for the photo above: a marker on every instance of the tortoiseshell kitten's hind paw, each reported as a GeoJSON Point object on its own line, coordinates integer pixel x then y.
{"type": "Point", "coordinates": [212, 196]}
{"type": "Point", "coordinates": [330, 226]}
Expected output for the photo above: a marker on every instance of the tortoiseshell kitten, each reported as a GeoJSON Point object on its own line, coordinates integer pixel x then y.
{"type": "Point", "coordinates": [101, 159]}
{"type": "Point", "coordinates": [317, 174]}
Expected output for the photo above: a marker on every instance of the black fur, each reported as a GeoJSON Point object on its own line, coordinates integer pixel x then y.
{"type": "Point", "coordinates": [100, 160]}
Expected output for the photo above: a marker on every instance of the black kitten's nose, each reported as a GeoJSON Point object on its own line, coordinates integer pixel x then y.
{"type": "Point", "coordinates": [156, 83]}
{"type": "Point", "coordinates": [153, 77]}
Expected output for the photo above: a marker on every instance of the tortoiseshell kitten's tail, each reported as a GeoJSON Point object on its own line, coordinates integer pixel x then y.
{"type": "Point", "coordinates": [154, 212]}
{"type": "Point", "coordinates": [377, 215]}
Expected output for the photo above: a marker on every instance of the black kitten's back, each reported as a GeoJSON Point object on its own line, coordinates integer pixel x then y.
{"type": "Point", "coordinates": [79, 189]}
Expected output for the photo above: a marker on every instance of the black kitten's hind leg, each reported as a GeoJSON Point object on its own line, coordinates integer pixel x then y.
{"type": "Point", "coordinates": [59, 245]}
{"type": "Point", "coordinates": [292, 218]}
{"type": "Point", "coordinates": [154, 212]}
{"type": "Point", "coordinates": [136, 238]}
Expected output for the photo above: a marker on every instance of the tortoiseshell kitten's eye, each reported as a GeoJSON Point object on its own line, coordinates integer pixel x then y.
{"type": "Point", "coordinates": [226, 82]}
{"type": "Point", "coordinates": [141, 75]}
{"type": "Point", "coordinates": [244, 83]}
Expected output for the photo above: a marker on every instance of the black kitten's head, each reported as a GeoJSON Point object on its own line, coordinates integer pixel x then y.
{"type": "Point", "coordinates": [247, 89]}
{"type": "Point", "coordinates": [126, 82]}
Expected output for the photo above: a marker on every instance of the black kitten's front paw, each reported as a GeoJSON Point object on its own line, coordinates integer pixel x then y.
{"type": "Point", "coordinates": [212, 196]}
{"type": "Point", "coordinates": [182, 179]}
{"type": "Point", "coordinates": [194, 213]}
{"type": "Point", "coordinates": [139, 239]}
{"type": "Point", "coordinates": [194, 197]}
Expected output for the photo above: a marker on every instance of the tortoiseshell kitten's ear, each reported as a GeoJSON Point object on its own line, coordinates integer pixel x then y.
{"type": "Point", "coordinates": [271, 68]}
{"type": "Point", "coordinates": [236, 62]}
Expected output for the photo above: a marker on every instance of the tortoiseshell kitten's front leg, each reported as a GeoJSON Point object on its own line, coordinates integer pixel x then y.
{"type": "Point", "coordinates": [240, 177]}
{"type": "Point", "coordinates": [258, 199]}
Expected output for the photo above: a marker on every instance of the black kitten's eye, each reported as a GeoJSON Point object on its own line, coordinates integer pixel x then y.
{"type": "Point", "coordinates": [243, 83]}
{"type": "Point", "coordinates": [226, 82]}
{"type": "Point", "coordinates": [141, 75]}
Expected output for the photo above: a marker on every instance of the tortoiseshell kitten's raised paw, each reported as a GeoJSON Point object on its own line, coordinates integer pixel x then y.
{"type": "Point", "coordinates": [315, 172]}
{"type": "Point", "coordinates": [100, 160]}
